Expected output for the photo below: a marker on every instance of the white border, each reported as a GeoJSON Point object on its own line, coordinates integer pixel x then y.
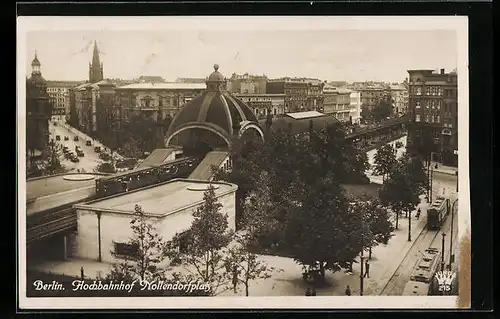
{"type": "Point", "coordinates": [456, 23]}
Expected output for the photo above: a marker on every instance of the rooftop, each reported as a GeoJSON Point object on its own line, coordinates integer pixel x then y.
{"type": "Point", "coordinates": [304, 115]}
{"type": "Point", "coordinates": [163, 86]}
{"type": "Point", "coordinates": [259, 94]}
{"type": "Point", "coordinates": [162, 199]}
{"type": "Point", "coordinates": [204, 170]}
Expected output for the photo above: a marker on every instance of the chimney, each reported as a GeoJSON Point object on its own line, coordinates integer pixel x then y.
{"type": "Point", "coordinates": [442, 71]}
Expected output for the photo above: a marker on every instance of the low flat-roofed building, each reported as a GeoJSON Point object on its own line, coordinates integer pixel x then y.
{"type": "Point", "coordinates": [104, 225]}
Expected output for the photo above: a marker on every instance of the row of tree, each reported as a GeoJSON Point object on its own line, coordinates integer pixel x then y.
{"type": "Point", "coordinates": [404, 179]}
{"type": "Point", "coordinates": [292, 200]}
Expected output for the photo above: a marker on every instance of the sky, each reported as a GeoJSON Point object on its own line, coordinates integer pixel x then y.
{"type": "Point", "coordinates": [333, 55]}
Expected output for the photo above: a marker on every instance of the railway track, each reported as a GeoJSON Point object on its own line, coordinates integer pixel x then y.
{"type": "Point", "coordinates": [426, 239]}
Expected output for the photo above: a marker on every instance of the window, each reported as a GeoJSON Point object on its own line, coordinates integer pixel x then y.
{"type": "Point", "coordinates": [437, 118]}
{"type": "Point", "coordinates": [124, 250]}
{"type": "Point", "coordinates": [427, 118]}
{"type": "Point", "coordinates": [417, 118]}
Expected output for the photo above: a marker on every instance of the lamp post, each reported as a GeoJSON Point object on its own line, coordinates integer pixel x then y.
{"type": "Point", "coordinates": [409, 225]}
{"type": "Point", "coordinates": [451, 232]}
{"type": "Point", "coordinates": [430, 185]}
{"type": "Point", "coordinates": [361, 274]}
{"type": "Point", "coordinates": [456, 174]}
{"type": "Point", "coordinates": [442, 251]}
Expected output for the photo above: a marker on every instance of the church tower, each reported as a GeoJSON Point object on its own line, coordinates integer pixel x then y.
{"type": "Point", "coordinates": [96, 73]}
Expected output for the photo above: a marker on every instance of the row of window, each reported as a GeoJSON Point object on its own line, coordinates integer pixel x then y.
{"type": "Point", "coordinates": [428, 118]}
{"type": "Point", "coordinates": [433, 91]}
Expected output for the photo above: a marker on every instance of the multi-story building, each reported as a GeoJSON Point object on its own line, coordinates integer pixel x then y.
{"type": "Point", "coordinates": [355, 113]}
{"type": "Point", "coordinates": [433, 112]}
{"type": "Point", "coordinates": [295, 93]}
{"type": "Point", "coordinates": [261, 103]}
{"type": "Point", "coordinates": [150, 79]}
{"type": "Point", "coordinates": [247, 84]}
{"type": "Point", "coordinates": [314, 100]}
{"type": "Point", "coordinates": [399, 94]}
{"type": "Point", "coordinates": [59, 94]}
{"type": "Point", "coordinates": [151, 97]}
{"type": "Point", "coordinates": [337, 102]}
{"type": "Point", "coordinates": [190, 80]}
{"type": "Point", "coordinates": [38, 114]}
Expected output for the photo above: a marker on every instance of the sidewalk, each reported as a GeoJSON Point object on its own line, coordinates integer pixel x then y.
{"type": "Point", "coordinates": [450, 170]}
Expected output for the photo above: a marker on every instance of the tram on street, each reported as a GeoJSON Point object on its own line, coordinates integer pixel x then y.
{"type": "Point", "coordinates": [416, 288]}
{"type": "Point", "coordinates": [422, 280]}
{"type": "Point", "coordinates": [437, 212]}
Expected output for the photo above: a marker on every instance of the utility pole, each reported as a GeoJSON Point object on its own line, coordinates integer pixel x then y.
{"type": "Point", "coordinates": [451, 232]}
{"type": "Point", "coordinates": [409, 225]}
{"type": "Point", "coordinates": [456, 174]}
{"type": "Point", "coordinates": [430, 190]}
{"type": "Point", "coordinates": [442, 251]}
{"type": "Point", "coordinates": [361, 274]}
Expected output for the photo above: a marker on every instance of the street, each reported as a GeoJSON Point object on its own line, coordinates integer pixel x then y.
{"type": "Point", "coordinates": [444, 185]}
{"type": "Point", "coordinates": [87, 163]}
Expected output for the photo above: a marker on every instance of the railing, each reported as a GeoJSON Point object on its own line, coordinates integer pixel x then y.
{"type": "Point", "coordinates": [377, 127]}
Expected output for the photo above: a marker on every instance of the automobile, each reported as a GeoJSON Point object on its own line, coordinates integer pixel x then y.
{"type": "Point", "coordinates": [97, 149]}
{"type": "Point", "coordinates": [105, 156]}
{"type": "Point", "coordinates": [66, 138]}
{"type": "Point", "coordinates": [68, 155]}
{"type": "Point", "coordinates": [75, 159]}
{"type": "Point", "coordinates": [80, 153]}
{"type": "Point", "coordinates": [78, 147]}
{"type": "Point", "coordinates": [58, 137]}
{"type": "Point", "coordinates": [75, 138]}
{"type": "Point", "coordinates": [55, 123]}
{"type": "Point", "coordinates": [88, 143]}
{"type": "Point", "coordinates": [65, 149]}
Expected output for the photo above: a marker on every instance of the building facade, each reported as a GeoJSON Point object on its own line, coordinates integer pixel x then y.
{"type": "Point", "coordinates": [355, 113]}
{"type": "Point", "coordinates": [295, 93]}
{"type": "Point", "coordinates": [59, 95]}
{"type": "Point", "coordinates": [337, 102]}
{"type": "Point", "coordinates": [261, 103]}
{"type": "Point", "coordinates": [433, 110]}
{"type": "Point", "coordinates": [38, 114]}
{"type": "Point", "coordinates": [372, 95]}
{"type": "Point", "coordinates": [314, 95]}
{"type": "Point", "coordinates": [247, 84]}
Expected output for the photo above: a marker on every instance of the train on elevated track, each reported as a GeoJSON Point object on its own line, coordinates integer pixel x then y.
{"type": "Point", "coordinates": [130, 180]}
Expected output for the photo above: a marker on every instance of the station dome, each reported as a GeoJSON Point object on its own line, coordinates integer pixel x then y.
{"type": "Point", "coordinates": [215, 117]}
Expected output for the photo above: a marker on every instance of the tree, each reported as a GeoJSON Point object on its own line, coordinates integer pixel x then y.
{"type": "Point", "coordinates": [383, 109]}
{"type": "Point", "coordinates": [380, 226]}
{"type": "Point", "coordinates": [385, 159]}
{"type": "Point", "coordinates": [148, 248]}
{"type": "Point", "coordinates": [105, 167]}
{"type": "Point", "coordinates": [366, 113]}
{"type": "Point", "coordinates": [398, 191]}
{"type": "Point", "coordinates": [243, 266]}
{"type": "Point", "coordinates": [321, 234]}
{"type": "Point", "coordinates": [205, 245]}
{"type": "Point", "coordinates": [51, 163]}
{"type": "Point", "coordinates": [416, 173]}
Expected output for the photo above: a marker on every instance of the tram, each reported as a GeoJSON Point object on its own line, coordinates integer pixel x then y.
{"type": "Point", "coordinates": [422, 280]}
{"type": "Point", "coordinates": [437, 212]}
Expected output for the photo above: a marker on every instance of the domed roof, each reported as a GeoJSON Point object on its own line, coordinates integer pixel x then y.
{"type": "Point", "coordinates": [216, 76]}
{"type": "Point", "coordinates": [35, 61]}
{"type": "Point", "coordinates": [215, 110]}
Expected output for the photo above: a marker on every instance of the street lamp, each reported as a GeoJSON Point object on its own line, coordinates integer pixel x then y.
{"type": "Point", "coordinates": [409, 226]}
{"type": "Point", "coordinates": [442, 251]}
{"type": "Point", "coordinates": [451, 233]}
{"type": "Point", "coordinates": [361, 275]}
{"type": "Point", "coordinates": [456, 174]}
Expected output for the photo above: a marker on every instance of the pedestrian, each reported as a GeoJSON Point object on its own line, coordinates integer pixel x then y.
{"type": "Point", "coordinates": [308, 292]}
{"type": "Point", "coordinates": [348, 291]}
{"type": "Point", "coordinates": [418, 213]}
{"type": "Point", "coordinates": [313, 292]}
{"type": "Point", "coordinates": [235, 278]}
{"type": "Point", "coordinates": [367, 271]}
